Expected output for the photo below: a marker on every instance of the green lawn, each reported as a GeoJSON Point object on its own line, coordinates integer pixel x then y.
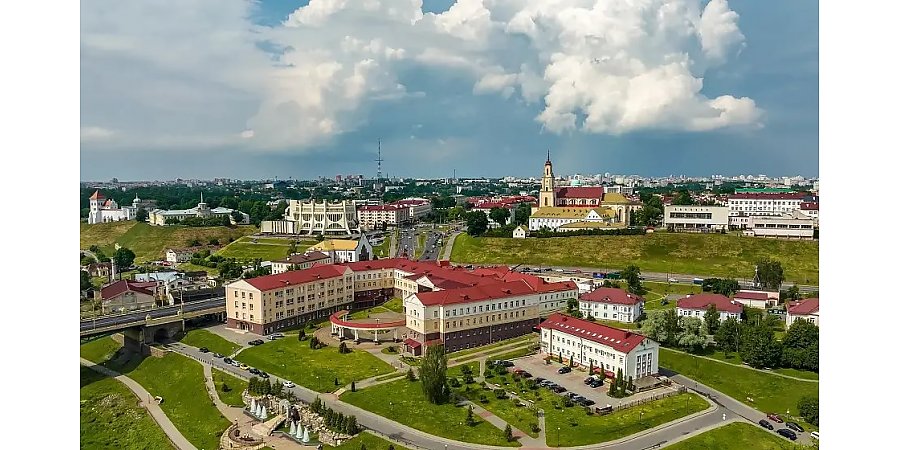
{"type": "Point", "coordinates": [619, 325]}
{"type": "Point", "coordinates": [395, 304]}
{"type": "Point", "coordinates": [513, 354]}
{"type": "Point", "coordinates": [315, 369]}
{"type": "Point", "coordinates": [517, 340]}
{"type": "Point", "coordinates": [702, 254]}
{"type": "Point", "coordinates": [188, 267]}
{"type": "Point", "coordinates": [112, 419]}
{"type": "Point", "coordinates": [186, 401]}
{"type": "Point", "coordinates": [235, 385]}
{"type": "Point", "coordinates": [658, 291]}
{"type": "Point", "coordinates": [215, 343]}
{"type": "Point", "coordinates": [364, 313]}
{"type": "Point", "coordinates": [371, 442]}
{"type": "Point", "coordinates": [383, 249]}
{"type": "Point", "coordinates": [735, 436]}
{"type": "Point", "coordinates": [770, 393]}
{"type": "Point", "coordinates": [246, 249]}
{"type": "Point", "coordinates": [805, 374]}
{"type": "Point", "coordinates": [100, 349]}
{"type": "Point", "coordinates": [150, 242]}
{"type": "Point", "coordinates": [404, 402]}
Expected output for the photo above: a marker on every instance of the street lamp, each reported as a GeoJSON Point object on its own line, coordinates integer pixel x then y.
{"type": "Point", "coordinates": [557, 436]}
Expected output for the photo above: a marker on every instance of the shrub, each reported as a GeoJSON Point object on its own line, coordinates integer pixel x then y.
{"type": "Point", "coordinates": [343, 348]}
{"type": "Point", "coordinates": [500, 394]}
{"type": "Point", "coordinates": [483, 398]}
{"type": "Point", "coordinates": [507, 432]}
{"type": "Point", "coordinates": [410, 375]}
{"type": "Point", "coordinates": [535, 428]}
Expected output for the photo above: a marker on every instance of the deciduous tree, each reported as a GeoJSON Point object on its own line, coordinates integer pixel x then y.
{"type": "Point", "coordinates": [433, 373]}
{"type": "Point", "coordinates": [477, 223]}
{"type": "Point", "coordinates": [728, 336]}
{"type": "Point", "coordinates": [770, 273]}
{"type": "Point", "coordinates": [499, 215]}
{"type": "Point", "coordinates": [711, 319]}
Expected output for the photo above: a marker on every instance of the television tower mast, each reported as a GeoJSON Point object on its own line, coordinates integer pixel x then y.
{"type": "Point", "coordinates": [379, 160]}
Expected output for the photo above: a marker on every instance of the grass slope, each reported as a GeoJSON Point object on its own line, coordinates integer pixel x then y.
{"type": "Point", "coordinates": [235, 386]}
{"type": "Point", "coordinates": [371, 442]}
{"type": "Point", "coordinates": [315, 369]}
{"type": "Point", "coordinates": [708, 254]}
{"type": "Point", "coordinates": [100, 349]}
{"type": "Point", "coordinates": [735, 436]}
{"type": "Point", "coordinates": [150, 242]}
{"type": "Point", "coordinates": [770, 393]}
{"type": "Point", "coordinates": [267, 249]}
{"type": "Point", "coordinates": [112, 419]}
{"type": "Point", "coordinates": [404, 402]}
{"type": "Point", "coordinates": [212, 341]}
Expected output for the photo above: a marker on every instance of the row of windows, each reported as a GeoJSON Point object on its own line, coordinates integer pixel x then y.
{"type": "Point", "coordinates": [587, 305]}
{"type": "Point", "coordinates": [764, 202]}
{"type": "Point", "coordinates": [483, 319]}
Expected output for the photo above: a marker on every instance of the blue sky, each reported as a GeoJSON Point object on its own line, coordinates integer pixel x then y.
{"type": "Point", "coordinates": [241, 90]}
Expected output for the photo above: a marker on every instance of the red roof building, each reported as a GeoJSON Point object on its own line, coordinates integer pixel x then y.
{"type": "Point", "coordinates": [595, 192]}
{"type": "Point", "coordinates": [127, 295]}
{"type": "Point", "coordinates": [767, 196]}
{"type": "Point", "coordinates": [294, 277]}
{"type": "Point", "coordinates": [696, 305]}
{"type": "Point", "coordinates": [806, 309]}
{"type": "Point", "coordinates": [611, 304]}
{"type": "Point", "coordinates": [97, 195]}
{"type": "Point", "coordinates": [612, 295]}
{"type": "Point", "coordinates": [620, 340]}
{"type": "Point", "coordinates": [756, 299]}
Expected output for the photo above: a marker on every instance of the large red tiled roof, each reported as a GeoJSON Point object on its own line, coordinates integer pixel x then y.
{"type": "Point", "coordinates": [294, 277]}
{"type": "Point", "coordinates": [580, 192]}
{"type": "Point", "coordinates": [751, 295]}
{"type": "Point", "coordinates": [612, 295]}
{"type": "Point", "coordinates": [121, 287]}
{"type": "Point", "coordinates": [702, 301]}
{"type": "Point", "coordinates": [768, 196]}
{"type": "Point", "coordinates": [804, 307]}
{"type": "Point", "coordinates": [620, 340]}
{"type": "Point", "coordinates": [475, 293]}
{"type": "Point", "coordinates": [304, 258]}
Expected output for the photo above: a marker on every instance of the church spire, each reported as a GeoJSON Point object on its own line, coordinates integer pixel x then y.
{"type": "Point", "coordinates": [548, 157]}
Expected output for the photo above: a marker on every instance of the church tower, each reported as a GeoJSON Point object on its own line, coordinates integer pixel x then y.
{"type": "Point", "coordinates": [548, 190]}
{"type": "Point", "coordinates": [96, 204]}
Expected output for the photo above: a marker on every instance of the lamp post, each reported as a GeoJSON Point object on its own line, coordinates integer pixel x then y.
{"type": "Point", "coordinates": [557, 436]}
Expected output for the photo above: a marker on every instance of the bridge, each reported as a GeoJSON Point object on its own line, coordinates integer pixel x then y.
{"type": "Point", "coordinates": [153, 318]}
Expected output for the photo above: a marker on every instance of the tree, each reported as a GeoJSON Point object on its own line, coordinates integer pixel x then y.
{"type": "Point", "coordinates": [123, 257]}
{"type": "Point", "coordinates": [654, 326]}
{"type": "Point", "coordinates": [523, 212]}
{"type": "Point", "coordinates": [711, 319]}
{"type": "Point", "coordinates": [571, 305]}
{"type": "Point", "coordinates": [800, 346]}
{"type": "Point", "coordinates": [507, 432]}
{"type": "Point", "coordinates": [672, 327]}
{"type": "Point", "coordinates": [85, 280]}
{"type": "Point", "coordinates": [433, 373]}
{"type": "Point", "coordinates": [499, 215]}
{"type": "Point", "coordinates": [683, 197]}
{"type": "Point", "coordinates": [214, 241]}
{"type": "Point", "coordinates": [237, 216]}
{"type": "Point", "coordinates": [456, 212]}
{"type": "Point", "coordinates": [470, 417]}
{"type": "Point", "coordinates": [809, 409]}
{"type": "Point", "coordinates": [759, 348]}
{"type": "Point", "coordinates": [770, 273]}
{"type": "Point", "coordinates": [477, 223]}
{"type": "Point", "coordinates": [620, 382]}
{"type": "Point", "coordinates": [343, 348]}
{"type": "Point", "coordinates": [301, 335]}
{"type": "Point", "coordinates": [141, 215]}
{"type": "Point", "coordinates": [691, 336]}
{"type": "Point", "coordinates": [314, 343]}
{"type": "Point", "coordinates": [632, 276]}
{"type": "Point", "coordinates": [724, 286]}
{"type": "Point", "coordinates": [728, 336]}
{"type": "Point", "coordinates": [792, 293]}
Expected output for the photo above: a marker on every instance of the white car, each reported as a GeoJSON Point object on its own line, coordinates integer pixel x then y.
{"type": "Point", "coordinates": [289, 384]}
{"type": "Point", "coordinates": [814, 435]}
{"type": "Point", "coordinates": [673, 280]}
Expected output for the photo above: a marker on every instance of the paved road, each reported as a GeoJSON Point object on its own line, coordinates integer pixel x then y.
{"type": "Point", "coordinates": [410, 436]}
{"type": "Point", "coordinates": [432, 249]}
{"type": "Point", "coordinates": [406, 244]}
{"type": "Point", "coordinates": [156, 313]}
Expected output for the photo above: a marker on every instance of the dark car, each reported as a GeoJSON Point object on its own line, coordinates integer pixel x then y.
{"type": "Point", "coordinates": [596, 384]}
{"type": "Point", "coordinates": [227, 360]}
{"type": "Point", "coordinates": [204, 350]}
{"type": "Point", "coordinates": [774, 418]}
{"type": "Point", "coordinates": [256, 342]}
{"type": "Point", "coordinates": [765, 424]}
{"type": "Point", "coordinates": [588, 380]}
{"type": "Point", "coordinates": [524, 374]}
{"type": "Point", "coordinates": [564, 369]}
{"type": "Point", "coordinates": [586, 402]}
{"type": "Point", "coordinates": [559, 389]}
{"type": "Point", "coordinates": [794, 426]}
{"type": "Point", "coordinates": [263, 374]}
{"type": "Point", "coordinates": [538, 379]}
{"type": "Point", "coordinates": [254, 371]}
{"type": "Point", "coordinates": [504, 363]}
{"type": "Point", "coordinates": [217, 355]}
{"type": "Point", "coordinates": [788, 434]}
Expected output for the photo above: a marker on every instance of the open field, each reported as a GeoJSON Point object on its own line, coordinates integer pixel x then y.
{"type": "Point", "coordinates": [656, 292]}
{"type": "Point", "coordinates": [528, 338]}
{"type": "Point", "coordinates": [404, 402]}
{"type": "Point", "coordinates": [735, 436]}
{"type": "Point", "coordinates": [100, 349]}
{"type": "Point", "coordinates": [735, 358]}
{"type": "Point", "coordinates": [371, 442]}
{"type": "Point", "coordinates": [266, 249]}
{"type": "Point", "coordinates": [708, 254]}
{"type": "Point", "coordinates": [111, 418]}
{"type": "Point", "coordinates": [315, 369]}
{"type": "Point", "coordinates": [214, 342]}
{"type": "Point", "coordinates": [150, 242]}
{"type": "Point", "coordinates": [235, 387]}
{"type": "Point", "coordinates": [770, 393]}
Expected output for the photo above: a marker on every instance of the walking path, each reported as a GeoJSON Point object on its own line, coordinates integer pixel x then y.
{"type": "Point", "coordinates": [745, 367]}
{"type": "Point", "coordinates": [448, 247]}
{"type": "Point", "coordinates": [146, 400]}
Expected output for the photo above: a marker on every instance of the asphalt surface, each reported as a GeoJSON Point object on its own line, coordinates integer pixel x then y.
{"type": "Point", "coordinates": [726, 409]}
{"type": "Point", "coordinates": [406, 245]}
{"type": "Point", "coordinates": [432, 249]}
{"type": "Point", "coordinates": [140, 316]}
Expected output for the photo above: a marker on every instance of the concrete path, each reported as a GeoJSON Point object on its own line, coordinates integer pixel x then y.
{"type": "Point", "coordinates": [769, 372]}
{"type": "Point", "coordinates": [146, 400]}
{"type": "Point", "coordinates": [523, 438]}
{"type": "Point", "coordinates": [448, 247]}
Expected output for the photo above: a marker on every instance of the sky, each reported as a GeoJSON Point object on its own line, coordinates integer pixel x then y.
{"type": "Point", "coordinates": [301, 89]}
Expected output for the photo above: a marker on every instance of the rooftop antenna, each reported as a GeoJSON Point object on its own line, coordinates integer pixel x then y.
{"type": "Point", "coordinates": [379, 160]}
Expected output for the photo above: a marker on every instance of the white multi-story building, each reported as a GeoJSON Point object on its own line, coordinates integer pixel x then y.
{"type": "Point", "coordinates": [163, 217]}
{"type": "Point", "coordinates": [313, 217]}
{"type": "Point", "coordinates": [744, 205]}
{"type": "Point", "coordinates": [611, 304]}
{"type": "Point", "coordinates": [756, 299]}
{"type": "Point", "coordinates": [301, 261]}
{"type": "Point", "coordinates": [696, 305]}
{"type": "Point", "coordinates": [695, 218]}
{"type": "Point", "coordinates": [178, 255]}
{"type": "Point", "coordinates": [418, 207]}
{"type": "Point", "coordinates": [794, 225]}
{"type": "Point", "coordinates": [373, 217]}
{"type": "Point", "coordinates": [806, 309]}
{"type": "Point", "coordinates": [588, 343]}
{"type": "Point", "coordinates": [811, 209]}
{"type": "Point", "coordinates": [107, 210]}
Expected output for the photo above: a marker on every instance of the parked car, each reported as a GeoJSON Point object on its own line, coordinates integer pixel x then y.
{"type": "Point", "coordinates": [263, 374]}
{"type": "Point", "coordinates": [256, 342]}
{"type": "Point", "coordinates": [243, 366]}
{"type": "Point", "coordinates": [814, 435]}
{"type": "Point", "coordinates": [596, 383]}
{"type": "Point", "coordinates": [578, 398]}
{"type": "Point", "coordinates": [558, 389]}
{"type": "Point", "coordinates": [524, 374]}
{"type": "Point", "coordinates": [204, 350]}
{"type": "Point", "coordinates": [570, 395]}
{"type": "Point", "coordinates": [788, 434]}
{"type": "Point", "coordinates": [254, 371]}
{"type": "Point", "coordinates": [227, 361]}
{"type": "Point", "coordinates": [537, 380]}
{"type": "Point", "coordinates": [504, 363]}
{"type": "Point", "coordinates": [588, 380]}
{"type": "Point", "coordinates": [217, 355]}
{"type": "Point", "coordinates": [564, 369]}
{"type": "Point", "coordinates": [765, 424]}
{"type": "Point", "coordinates": [774, 418]}
{"type": "Point", "coordinates": [235, 363]}
{"type": "Point", "coordinates": [794, 426]}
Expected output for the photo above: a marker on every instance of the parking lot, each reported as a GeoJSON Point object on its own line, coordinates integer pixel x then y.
{"type": "Point", "coordinates": [574, 381]}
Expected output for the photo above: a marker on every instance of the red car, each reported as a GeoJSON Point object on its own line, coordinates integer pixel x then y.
{"type": "Point", "coordinates": [774, 417]}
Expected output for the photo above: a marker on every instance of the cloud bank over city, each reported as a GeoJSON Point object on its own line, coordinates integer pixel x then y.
{"type": "Point", "coordinates": [197, 76]}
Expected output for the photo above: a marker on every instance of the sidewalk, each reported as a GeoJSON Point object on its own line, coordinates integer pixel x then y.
{"type": "Point", "coordinates": [146, 400]}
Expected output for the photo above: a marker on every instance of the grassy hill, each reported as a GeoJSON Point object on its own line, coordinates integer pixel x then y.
{"type": "Point", "coordinates": [702, 254]}
{"type": "Point", "coordinates": [150, 242]}
{"type": "Point", "coordinates": [268, 249]}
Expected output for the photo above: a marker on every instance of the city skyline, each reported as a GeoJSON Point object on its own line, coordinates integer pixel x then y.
{"type": "Point", "coordinates": [743, 98]}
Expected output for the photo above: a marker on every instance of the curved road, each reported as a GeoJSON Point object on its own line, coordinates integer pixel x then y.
{"type": "Point", "coordinates": [667, 433]}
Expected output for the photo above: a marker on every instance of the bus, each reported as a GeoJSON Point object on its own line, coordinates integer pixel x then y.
{"type": "Point", "coordinates": [698, 280]}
